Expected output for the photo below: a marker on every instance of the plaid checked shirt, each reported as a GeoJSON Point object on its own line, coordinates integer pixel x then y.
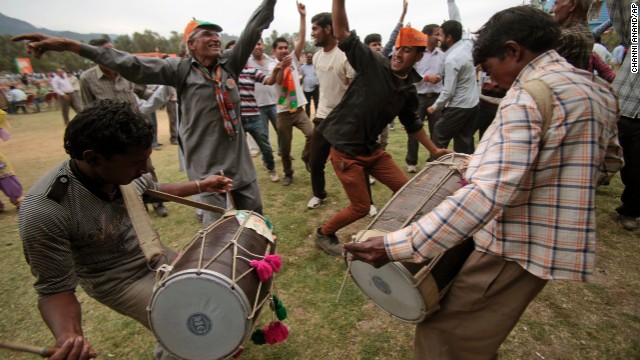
{"type": "Point", "coordinates": [626, 82]}
{"type": "Point", "coordinates": [576, 44]}
{"type": "Point", "coordinates": [530, 200]}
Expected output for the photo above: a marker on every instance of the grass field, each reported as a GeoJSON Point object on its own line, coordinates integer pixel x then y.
{"type": "Point", "coordinates": [597, 320]}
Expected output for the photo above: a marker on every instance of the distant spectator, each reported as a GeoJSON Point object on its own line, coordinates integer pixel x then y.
{"type": "Point", "coordinates": [310, 84]}
{"type": "Point", "coordinates": [39, 96]}
{"type": "Point", "coordinates": [63, 87]}
{"type": "Point", "coordinates": [576, 40]}
{"type": "Point", "coordinates": [618, 56]}
{"type": "Point", "coordinates": [17, 99]}
{"type": "Point", "coordinates": [601, 50]}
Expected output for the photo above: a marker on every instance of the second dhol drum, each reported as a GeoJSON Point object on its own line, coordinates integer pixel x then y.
{"type": "Point", "coordinates": [410, 291]}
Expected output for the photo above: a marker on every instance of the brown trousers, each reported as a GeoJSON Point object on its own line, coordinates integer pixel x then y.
{"type": "Point", "coordinates": [352, 172]}
{"type": "Point", "coordinates": [484, 303]}
{"type": "Point", "coordinates": [286, 122]}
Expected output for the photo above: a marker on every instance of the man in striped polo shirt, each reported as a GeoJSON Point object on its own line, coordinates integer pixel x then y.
{"type": "Point", "coordinates": [75, 227]}
{"type": "Point", "coordinates": [250, 113]}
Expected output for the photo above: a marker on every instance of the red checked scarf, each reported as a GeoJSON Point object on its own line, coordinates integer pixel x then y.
{"type": "Point", "coordinates": [288, 91]}
{"type": "Point", "coordinates": [224, 102]}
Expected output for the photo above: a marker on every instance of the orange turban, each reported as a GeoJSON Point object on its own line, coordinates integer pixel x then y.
{"type": "Point", "coordinates": [194, 24]}
{"type": "Point", "coordinates": [409, 36]}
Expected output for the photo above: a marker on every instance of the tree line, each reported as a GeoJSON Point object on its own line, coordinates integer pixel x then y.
{"type": "Point", "coordinates": [147, 41]}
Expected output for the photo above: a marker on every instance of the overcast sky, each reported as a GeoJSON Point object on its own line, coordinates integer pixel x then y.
{"type": "Point", "coordinates": [163, 16]}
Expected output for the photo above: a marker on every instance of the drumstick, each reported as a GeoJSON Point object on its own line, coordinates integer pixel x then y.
{"type": "Point", "coordinates": [44, 351]}
{"type": "Point", "coordinates": [230, 204]}
{"type": "Point", "coordinates": [178, 199]}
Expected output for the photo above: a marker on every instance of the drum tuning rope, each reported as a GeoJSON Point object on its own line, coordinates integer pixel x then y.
{"type": "Point", "coordinates": [453, 168]}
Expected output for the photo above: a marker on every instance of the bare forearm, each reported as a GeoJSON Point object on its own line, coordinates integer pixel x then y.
{"type": "Point", "coordinates": [423, 139]}
{"type": "Point", "coordinates": [301, 34]}
{"type": "Point", "coordinates": [212, 183]}
{"type": "Point", "coordinates": [273, 78]}
{"type": "Point", "coordinates": [340, 21]}
{"type": "Point", "coordinates": [62, 314]}
{"type": "Point", "coordinates": [180, 189]}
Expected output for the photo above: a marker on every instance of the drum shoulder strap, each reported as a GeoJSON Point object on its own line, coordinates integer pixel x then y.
{"type": "Point", "coordinates": [542, 95]}
{"type": "Point", "coordinates": [149, 240]}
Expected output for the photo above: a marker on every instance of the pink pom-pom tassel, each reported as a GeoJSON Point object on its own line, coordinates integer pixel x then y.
{"type": "Point", "coordinates": [263, 269]}
{"type": "Point", "coordinates": [276, 332]}
{"type": "Point", "coordinates": [275, 261]}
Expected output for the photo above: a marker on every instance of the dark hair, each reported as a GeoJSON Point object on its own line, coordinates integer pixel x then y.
{"type": "Point", "coordinates": [11, 87]}
{"type": "Point", "coordinates": [99, 42]}
{"type": "Point", "coordinates": [428, 29]}
{"type": "Point", "coordinates": [531, 28]}
{"type": "Point", "coordinates": [453, 28]}
{"type": "Point", "coordinates": [108, 127]}
{"type": "Point", "coordinates": [597, 38]}
{"type": "Point", "coordinates": [229, 44]}
{"type": "Point", "coordinates": [279, 40]}
{"type": "Point", "coordinates": [323, 19]}
{"type": "Point", "coordinates": [372, 38]}
{"type": "Point", "coordinates": [420, 49]}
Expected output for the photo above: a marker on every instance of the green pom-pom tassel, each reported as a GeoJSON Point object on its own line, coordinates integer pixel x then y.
{"type": "Point", "coordinates": [280, 310]}
{"type": "Point", "coordinates": [258, 337]}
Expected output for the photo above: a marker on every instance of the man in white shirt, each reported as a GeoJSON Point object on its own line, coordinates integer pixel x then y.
{"type": "Point", "coordinates": [601, 50]}
{"type": "Point", "coordinates": [292, 101]}
{"type": "Point", "coordinates": [61, 86]}
{"type": "Point", "coordinates": [334, 76]}
{"type": "Point", "coordinates": [310, 84]}
{"type": "Point", "coordinates": [460, 94]}
{"type": "Point", "coordinates": [17, 100]}
{"type": "Point", "coordinates": [430, 67]}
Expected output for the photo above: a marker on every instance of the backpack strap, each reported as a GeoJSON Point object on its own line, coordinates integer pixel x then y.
{"type": "Point", "coordinates": [543, 96]}
{"type": "Point", "coordinates": [149, 240]}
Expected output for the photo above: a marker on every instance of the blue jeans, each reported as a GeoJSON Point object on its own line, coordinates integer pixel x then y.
{"type": "Point", "coordinates": [254, 126]}
{"type": "Point", "coordinates": [269, 113]}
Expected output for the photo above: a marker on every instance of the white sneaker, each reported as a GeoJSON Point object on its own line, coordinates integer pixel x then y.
{"type": "Point", "coordinates": [371, 180]}
{"type": "Point", "coordinates": [373, 211]}
{"type": "Point", "coordinates": [273, 175]}
{"type": "Point", "coordinates": [254, 152]}
{"type": "Point", "coordinates": [314, 202]}
{"type": "Point", "coordinates": [411, 169]}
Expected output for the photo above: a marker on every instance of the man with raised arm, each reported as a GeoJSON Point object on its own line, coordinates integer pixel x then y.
{"type": "Point", "coordinates": [381, 91]}
{"type": "Point", "coordinates": [210, 130]}
{"type": "Point", "coordinates": [291, 101]}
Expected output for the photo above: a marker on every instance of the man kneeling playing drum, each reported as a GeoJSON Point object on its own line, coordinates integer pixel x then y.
{"type": "Point", "coordinates": [76, 228]}
{"type": "Point", "coordinates": [530, 200]}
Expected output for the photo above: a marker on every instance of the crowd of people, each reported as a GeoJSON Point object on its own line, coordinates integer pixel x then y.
{"type": "Point", "coordinates": [529, 202]}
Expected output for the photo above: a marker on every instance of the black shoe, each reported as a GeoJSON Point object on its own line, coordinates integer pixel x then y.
{"type": "Point", "coordinates": [308, 167]}
{"type": "Point", "coordinates": [328, 243]}
{"type": "Point", "coordinates": [161, 210]}
{"type": "Point", "coordinates": [287, 180]}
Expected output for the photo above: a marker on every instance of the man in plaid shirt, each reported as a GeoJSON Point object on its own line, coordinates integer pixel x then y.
{"type": "Point", "coordinates": [576, 41]}
{"type": "Point", "coordinates": [530, 201]}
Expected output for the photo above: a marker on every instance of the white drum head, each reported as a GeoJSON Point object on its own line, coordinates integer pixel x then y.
{"type": "Point", "coordinates": [391, 289]}
{"type": "Point", "coordinates": [199, 316]}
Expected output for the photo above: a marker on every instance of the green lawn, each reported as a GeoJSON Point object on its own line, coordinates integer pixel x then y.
{"type": "Point", "coordinates": [599, 320]}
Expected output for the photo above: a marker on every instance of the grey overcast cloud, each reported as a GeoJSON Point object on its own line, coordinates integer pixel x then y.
{"type": "Point", "coordinates": [163, 16]}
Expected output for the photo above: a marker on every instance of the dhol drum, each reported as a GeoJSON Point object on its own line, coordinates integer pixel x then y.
{"type": "Point", "coordinates": [205, 304]}
{"type": "Point", "coordinates": [410, 291]}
